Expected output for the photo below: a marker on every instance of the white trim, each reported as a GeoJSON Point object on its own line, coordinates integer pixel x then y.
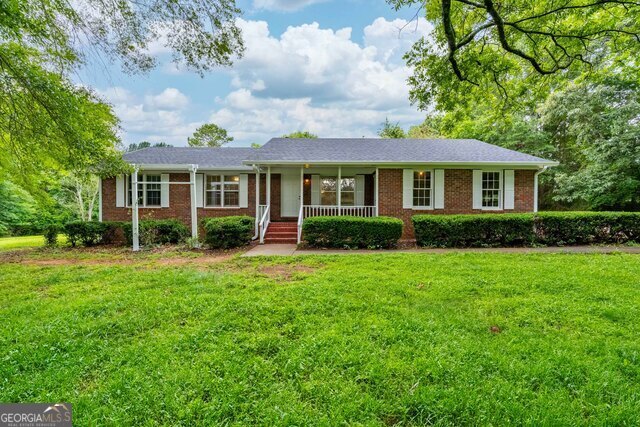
{"type": "Point", "coordinates": [164, 190]}
{"type": "Point", "coordinates": [500, 190]}
{"type": "Point", "coordinates": [407, 188]}
{"type": "Point", "coordinates": [134, 212]}
{"type": "Point", "coordinates": [100, 199]}
{"type": "Point", "coordinates": [393, 164]}
{"type": "Point", "coordinates": [360, 187]}
{"type": "Point", "coordinates": [376, 191]}
{"type": "Point", "coordinates": [194, 197]}
{"type": "Point", "coordinates": [244, 191]}
{"type": "Point", "coordinates": [476, 185]}
{"type": "Point", "coordinates": [438, 184]}
{"type": "Point", "coordinates": [121, 191]}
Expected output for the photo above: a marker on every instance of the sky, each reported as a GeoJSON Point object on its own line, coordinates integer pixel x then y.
{"type": "Point", "coordinates": [331, 67]}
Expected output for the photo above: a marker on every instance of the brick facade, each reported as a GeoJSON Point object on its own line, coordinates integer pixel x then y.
{"type": "Point", "coordinates": [458, 195]}
{"type": "Point", "coordinates": [458, 198]}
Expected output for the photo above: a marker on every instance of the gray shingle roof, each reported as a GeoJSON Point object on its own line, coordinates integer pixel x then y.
{"type": "Point", "coordinates": [357, 150]}
{"type": "Point", "coordinates": [336, 150]}
{"type": "Point", "coordinates": [204, 157]}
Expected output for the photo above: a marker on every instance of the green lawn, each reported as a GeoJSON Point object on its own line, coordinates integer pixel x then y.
{"type": "Point", "coordinates": [459, 339]}
{"type": "Point", "coordinates": [21, 242]}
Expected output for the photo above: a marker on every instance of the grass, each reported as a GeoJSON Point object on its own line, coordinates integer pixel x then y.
{"type": "Point", "coordinates": [22, 242]}
{"type": "Point", "coordinates": [456, 339]}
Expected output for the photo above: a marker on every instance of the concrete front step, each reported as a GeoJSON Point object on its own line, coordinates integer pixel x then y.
{"type": "Point", "coordinates": [273, 240]}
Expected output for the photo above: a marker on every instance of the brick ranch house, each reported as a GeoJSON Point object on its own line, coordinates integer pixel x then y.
{"type": "Point", "coordinates": [288, 180]}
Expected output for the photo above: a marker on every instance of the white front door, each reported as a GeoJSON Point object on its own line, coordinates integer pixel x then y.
{"type": "Point", "coordinates": [290, 194]}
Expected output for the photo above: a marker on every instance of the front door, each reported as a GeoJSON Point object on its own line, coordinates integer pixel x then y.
{"type": "Point", "coordinates": [290, 194]}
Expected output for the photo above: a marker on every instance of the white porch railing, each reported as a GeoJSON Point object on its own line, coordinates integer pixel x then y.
{"type": "Point", "coordinates": [307, 211]}
{"type": "Point", "coordinates": [265, 220]}
{"type": "Point", "coordinates": [321, 210]}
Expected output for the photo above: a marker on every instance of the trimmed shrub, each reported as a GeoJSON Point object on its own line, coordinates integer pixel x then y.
{"type": "Point", "coordinates": [89, 233]}
{"type": "Point", "coordinates": [352, 232]}
{"type": "Point", "coordinates": [51, 235]}
{"type": "Point", "coordinates": [228, 232]}
{"type": "Point", "coordinates": [488, 230]}
{"type": "Point", "coordinates": [581, 228]}
{"type": "Point", "coordinates": [547, 228]}
{"type": "Point", "coordinates": [157, 232]}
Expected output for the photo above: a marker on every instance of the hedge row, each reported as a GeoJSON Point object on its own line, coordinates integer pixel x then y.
{"type": "Point", "coordinates": [352, 232]}
{"type": "Point", "coordinates": [228, 232]}
{"type": "Point", "coordinates": [151, 232]}
{"type": "Point", "coordinates": [548, 228]}
{"type": "Point", "coordinates": [157, 232]}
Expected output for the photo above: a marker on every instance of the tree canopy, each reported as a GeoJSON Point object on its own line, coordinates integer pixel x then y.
{"type": "Point", "coordinates": [391, 130]}
{"type": "Point", "coordinates": [303, 134]}
{"type": "Point", "coordinates": [209, 135]}
{"type": "Point", "coordinates": [504, 49]}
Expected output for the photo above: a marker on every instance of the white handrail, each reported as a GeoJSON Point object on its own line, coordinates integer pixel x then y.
{"type": "Point", "coordinates": [300, 221]}
{"type": "Point", "coordinates": [264, 222]}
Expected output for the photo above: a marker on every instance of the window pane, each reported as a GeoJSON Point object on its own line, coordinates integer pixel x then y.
{"type": "Point", "coordinates": [214, 198]}
{"type": "Point", "coordinates": [491, 189]}
{"type": "Point", "coordinates": [328, 184]}
{"type": "Point", "coordinates": [213, 182]}
{"type": "Point", "coordinates": [231, 198]}
{"type": "Point", "coordinates": [348, 184]}
{"type": "Point", "coordinates": [328, 198]}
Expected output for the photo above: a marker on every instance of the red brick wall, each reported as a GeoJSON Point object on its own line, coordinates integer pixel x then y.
{"type": "Point", "coordinates": [179, 203]}
{"type": "Point", "coordinates": [458, 195]}
{"type": "Point", "coordinates": [458, 198]}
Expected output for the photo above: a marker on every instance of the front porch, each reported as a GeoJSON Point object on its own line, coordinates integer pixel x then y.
{"type": "Point", "coordinates": [294, 193]}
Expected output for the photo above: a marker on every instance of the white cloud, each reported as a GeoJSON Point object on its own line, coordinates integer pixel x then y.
{"type": "Point", "coordinates": [169, 99]}
{"type": "Point", "coordinates": [284, 5]}
{"type": "Point", "coordinates": [319, 80]}
{"type": "Point", "coordinates": [154, 117]}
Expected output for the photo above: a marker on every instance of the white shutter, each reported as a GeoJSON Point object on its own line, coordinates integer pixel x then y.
{"type": "Point", "coordinates": [199, 190]}
{"type": "Point", "coordinates": [164, 190]}
{"type": "Point", "coordinates": [315, 189]}
{"type": "Point", "coordinates": [407, 188]}
{"type": "Point", "coordinates": [477, 189]}
{"type": "Point", "coordinates": [438, 186]}
{"type": "Point", "coordinates": [244, 190]}
{"type": "Point", "coordinates": [359, 190]}
{"type": "Point", "coordinates": [120, 192]}
{"type": "Point", "coordinates": [509, 189]}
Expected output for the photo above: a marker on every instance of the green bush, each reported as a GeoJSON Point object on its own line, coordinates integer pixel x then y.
{"type": "Point", "coordinates": [51, 235]}
{"type": "Point", "coordinates": [474, 230]}
{"type": "Point", "coordinates": [581, 228]}
{"type": "Point", "coordinates": [89, 233]}
{"type": "Point", "coordinates": [228, 232]}
{"type": "Point", "coordinates": [352, 232]}
{"type": "Point", "coordinates": [157, 232]}
{"type": "Point", "coordinates": [548, 228]}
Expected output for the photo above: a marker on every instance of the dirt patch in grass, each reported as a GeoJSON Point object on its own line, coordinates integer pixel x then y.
{"type": "Point", "coordinates": [116, 256]}
{"type": "Point", "coordinates": [285, 272]}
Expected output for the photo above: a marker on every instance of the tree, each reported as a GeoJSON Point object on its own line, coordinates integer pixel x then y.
{"type": "Point", "coordinates": [46, 122]}
{"type": "Point", "coordinates": [597, 127]}
{"type": "Point", "coordinates": [146, 144]}
{"type": "Point", "coordinates": [79, 193]}
{"type": "Point", "coordinates": [488, 47]}
{"type": "Point", "coordinates": [391, 130]}
{"type": "Point", "coordinates": [209, 135]}
{"type": "Point", "coordinates": [426, 130]}
{"type": "Point", "coordinates": [255, 145]}
{"type": "Point", "coordinates": [301, 135]}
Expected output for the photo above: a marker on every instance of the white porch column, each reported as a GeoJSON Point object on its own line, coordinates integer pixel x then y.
{"type": "Point", "coordinates": [257, 195]}
{"type": "Point", "coordinates": [375, 191]}
{"type": "Point", "coordinates": [339, 190]}
{"type": "Point", "coordinates": [134, 211]}
{"type": "Point", "coordinates": [268, 185]}
{"type": "Point", "coordinates": [194, 205]}
{"type": "Point", "coordinates": [301, 186]}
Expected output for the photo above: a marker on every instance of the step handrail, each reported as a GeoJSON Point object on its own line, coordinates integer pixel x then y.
{"type": "Point", "coordinates": [264, 223]}
{"type": "Point", "coordinates": [300, 221]}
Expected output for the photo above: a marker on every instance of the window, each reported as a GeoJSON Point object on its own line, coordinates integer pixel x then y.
{"type": "Point", "coordinates": [491, 190]}
{"type": "Point", "coordinates": [422, 189]}
{"type": "Point", "coordinates": [149, 191]}
{"type": "Point", "coordinates": [222, 191]}
{"type": "Point", "coordinates": [329, 191]}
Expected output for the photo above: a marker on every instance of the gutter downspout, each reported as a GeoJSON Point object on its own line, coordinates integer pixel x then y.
{"type": "Point", "coordinates": [535, 188]}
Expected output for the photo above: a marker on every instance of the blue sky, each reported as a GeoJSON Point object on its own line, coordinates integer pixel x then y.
{"type": "Point", "coordinates": [333, 67]}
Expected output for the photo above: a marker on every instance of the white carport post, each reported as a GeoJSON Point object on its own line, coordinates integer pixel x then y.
{"type": "Point", "coordinates": [339, 190]}
{"type": "Point", "coordinates": [375, 190]}
{"type": "Point", "coordinates": [194, 202]}
{"type": "Point", "coordinates": [134, 212]}
{"type": "Point", "coordinates": [301, 186]}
